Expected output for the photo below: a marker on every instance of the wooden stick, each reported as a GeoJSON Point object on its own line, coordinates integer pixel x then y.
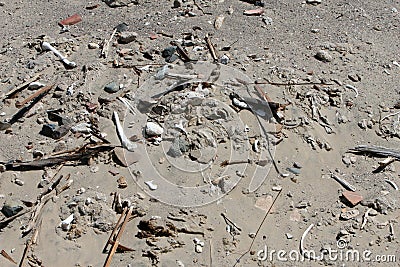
{"type": "Point", "coordinates": [22, 86]}
{"type": "Point", "coordinates": [228, 221]}
{"type": "Point", "coordinates": [377, 150]}
{"type": "Point", "coordinates": [115, 228]}
{"type": "Point", "coordinates": [181, 52]}
{"type": "Point", "coordinates": [25, 109]}
{"type": "Point", "coordinates": [116, 242]}
{"type": "Point", "coordinates": [31, 242]}
{"type": "Point", "coordinates": [289, 83]}
{"type": "Point", "coordinates": [8, 257]}
{"type": "Point", "coordinates": [211, 48]}
{"type": "Point", "coordinates": [6, 221]}
{"type": "Point", "coordinates": [43, 90]}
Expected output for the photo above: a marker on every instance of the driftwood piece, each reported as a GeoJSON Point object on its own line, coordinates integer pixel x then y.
{"type": "Point", "coordinates": [79, 156]}
{"type": "Point", "coordinates": [42, 200]}
{"type": "Point", "coordinates": [181, 52]}
{"type": "Point", "coordinates": [379, 151]}
{"type": "Point", "coordinates": [39, 92]}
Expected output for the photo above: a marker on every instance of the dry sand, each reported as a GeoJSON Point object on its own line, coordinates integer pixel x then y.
{"type": "Point", "coordinates": [352, 46]}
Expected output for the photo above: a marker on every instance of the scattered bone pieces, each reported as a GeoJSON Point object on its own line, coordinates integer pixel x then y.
{"type": "Point", "coordinates": [66, 224]}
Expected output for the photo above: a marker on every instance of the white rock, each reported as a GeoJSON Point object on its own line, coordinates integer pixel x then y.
{"type": "Point", "coordinates": [198, 248]}
{"type": "Point", "coordinates": [153, 129]}
{"type": "Point", "coordinates": [93, 46]}
{"type": "Point", "coordinates": [151, 185]}
{"type": "Point", "coordinates": [35, 85]}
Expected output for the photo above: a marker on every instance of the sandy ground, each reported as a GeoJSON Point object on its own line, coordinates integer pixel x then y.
{"type": "Point", "coordinates": [335, 62]}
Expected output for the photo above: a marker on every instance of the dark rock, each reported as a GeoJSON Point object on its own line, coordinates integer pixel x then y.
{"type": "Point", "coordinates": [11, 209]}
{"type": "Point", "coordinates": [122, 27]}
{"type": "Point", "coordinates": [111, 88]}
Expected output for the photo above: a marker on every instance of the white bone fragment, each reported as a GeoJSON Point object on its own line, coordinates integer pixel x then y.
{"type": "Point", "coordinates": [126, 143]}
{"type": "Point", "coordinates": [66, 224]}
{"type": "Point", "coordinates": [47, 46]}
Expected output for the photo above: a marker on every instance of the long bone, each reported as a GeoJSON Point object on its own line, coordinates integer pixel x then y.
{"type": "Point", "coordinates": [46, 46]}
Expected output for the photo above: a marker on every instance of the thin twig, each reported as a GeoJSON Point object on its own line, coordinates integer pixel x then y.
{"type": "Point", "coordinates": [116, 241]}
{"type": "Point", "coordinates": [106, 46]}
{"type": "Point", "coordinates": [228, 221]}
{"type": "Point", "coordinates": [259, 228]}
{"type": "Point", "coordinates": [291, 83]}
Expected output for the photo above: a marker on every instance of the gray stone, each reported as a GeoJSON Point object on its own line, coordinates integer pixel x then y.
{"type": "Point", "coordinates": [178, 147]}
{"type": "Point", "coordinates": [323, 56]}
{"type": "Point", "coordinates": [127, 37]}
{"type": "Point", "coordinates": [93, 46]}
{"type": "Point", "coordinates": [294, 170]}
{"type": "Point", "coordinates": [111, 88]}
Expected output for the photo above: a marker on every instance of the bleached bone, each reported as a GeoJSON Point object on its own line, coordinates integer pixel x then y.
{"type": "Point", "coordinates": [47, 46]}
{"type": "Point", "coordinates": [126, 143]}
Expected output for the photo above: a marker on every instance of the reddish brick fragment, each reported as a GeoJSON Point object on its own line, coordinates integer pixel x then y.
{"type": "Point", "coordinates": [353, 197]}
{"type": "Point", "coordinates": [74, 19]}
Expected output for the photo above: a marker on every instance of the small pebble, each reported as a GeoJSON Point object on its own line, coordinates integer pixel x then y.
{"type": "Point", "coordinates": [224, 59]}
{"type": "Point", "coordinates": [127, 37]}
{"type": "Point", "coordinates": [289, 236]}
{"type": "Point", "coordinates": [18, 182]}
{"type": "Point", "coordinates": [314, 2]}
{"type": "Point", "coordinates": [111, 88]}
{"type": "Point", "coordinates": [93, 46]}
{"type": "Point", "coordinates": [323, 56]}
{"type": "Point", "coordinates": [297, 165]}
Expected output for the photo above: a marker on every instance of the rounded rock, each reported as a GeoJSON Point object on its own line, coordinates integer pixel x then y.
{"type": "Point", "coordinates": [153, 129]}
